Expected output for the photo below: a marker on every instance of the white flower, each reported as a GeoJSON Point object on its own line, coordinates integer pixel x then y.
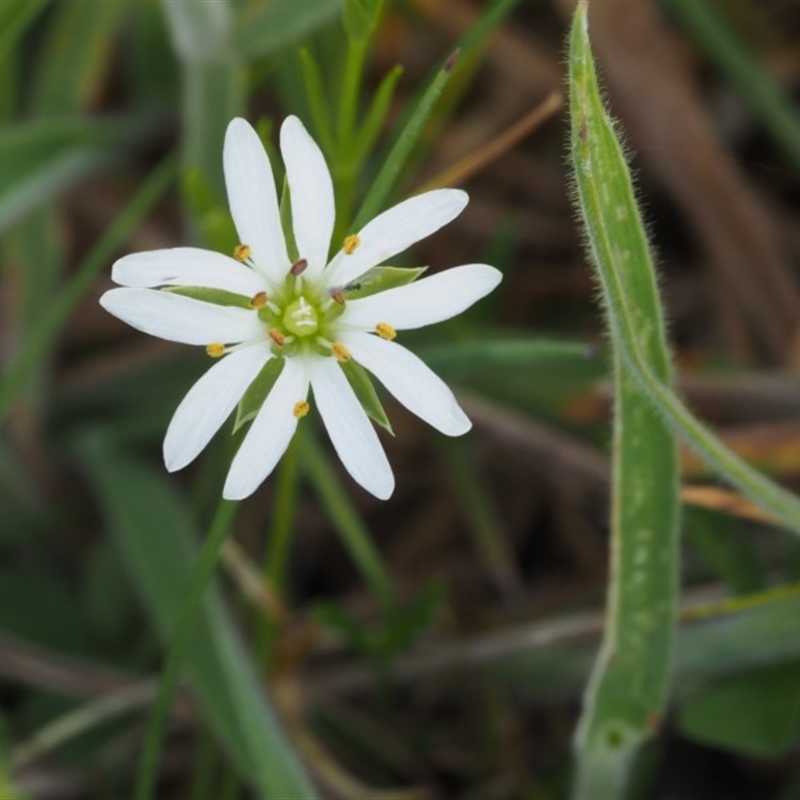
{"type": "Point", "coordinates": [299, 313]}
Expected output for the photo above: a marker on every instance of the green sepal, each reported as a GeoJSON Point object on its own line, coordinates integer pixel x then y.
{"type": "Point", "coordinates": [362, 385]}
{"type": "Point", "coordinates": [378, 279]}
{"type": "Point", "coordinates": [217, 296]}
{"type": "Point", "coordinates": [257, 392]}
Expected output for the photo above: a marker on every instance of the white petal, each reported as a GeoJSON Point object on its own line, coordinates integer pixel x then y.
{"type": "Point", "coordinates": [396, 230]}
{"type": "Point", "coordinates": [410, 381]}
{"type": "Point", "coordinates": [187, 266]}
{"type": "Point", "coordinates": [311, 190]}
{"type": "Point", "coordinates": [350, 430]}
{"type": "Point", "coordinates": [182, 319]}
{"type": "Point", "coordinates": [425, 301]}
{"type": "Point", "coordinates": [252, 199]}
{"type": "Point", "coordinates": [209, 403]}
{"type": "Point", "coordinates": [270, 433]}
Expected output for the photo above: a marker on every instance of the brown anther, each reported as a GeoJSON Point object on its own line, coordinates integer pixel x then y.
{"type": "Point", "coordinates": [299, 267]}
{"type": "Point", "coordinates": [385, 331]}
{"type": "Point", "coordinates": [301, 408]}
{"type": "Point", "coordinates": [241, 252]}
{"type": "Point", "coordinates": [258, 300]}
{"type": "Point", "coordinates": [276, 337]}
{"type": "Point", "coordinates": [340, 352]}
{"type": "Point", "coordinates": [350, 244]}
{"type": "Point", "coordinates": [338, 296]}
{"type": "Point", "coordinates": [215, 349]}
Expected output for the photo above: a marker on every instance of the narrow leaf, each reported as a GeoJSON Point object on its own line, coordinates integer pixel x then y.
{"type": "Point", "coordinates": [629, 686]}
{"type": "Point", "coordinates": [155, 534]}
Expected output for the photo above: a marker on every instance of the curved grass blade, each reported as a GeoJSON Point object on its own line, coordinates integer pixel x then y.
{"type": "Point", "coordinates": [154, 531]}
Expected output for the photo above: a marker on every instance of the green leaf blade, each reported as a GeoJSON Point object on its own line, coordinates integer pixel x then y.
{"type": "Point", "coordinates": [630, 683]}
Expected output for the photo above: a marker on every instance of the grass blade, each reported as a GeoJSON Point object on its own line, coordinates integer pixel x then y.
{"type": "Point", "coordinates": [154, 532]}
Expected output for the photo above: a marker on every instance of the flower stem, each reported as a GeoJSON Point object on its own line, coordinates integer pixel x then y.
{"type": "Point", "coordinates": [201, 575]}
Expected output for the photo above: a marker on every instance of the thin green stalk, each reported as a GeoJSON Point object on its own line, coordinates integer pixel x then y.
{"type": "Point", "coordinates": [57, 311]}
{"type": "Point", "coordinates": [404, 144]}
{"type": "Point", "coordinates": [317, 101]}
{"type": "Point", "coordinates": [88, 716]}
{"type": "Point", "coordinates": [350, 93]}
{"type": "Point", "coordinates": [354, 534]}
{"type": "Point", "coordinates": [201, 575]}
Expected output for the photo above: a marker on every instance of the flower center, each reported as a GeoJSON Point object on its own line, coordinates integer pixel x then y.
{"type": "Point", "coordinates": [301, 318]}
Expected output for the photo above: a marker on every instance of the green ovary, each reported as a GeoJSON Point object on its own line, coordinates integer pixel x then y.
{"type": "Point", "coordinates": [301, 318]}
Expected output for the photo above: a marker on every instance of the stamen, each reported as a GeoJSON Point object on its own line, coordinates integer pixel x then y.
{"type": "Point", "coordinates": [301, 408]}
{"type": "Point", "coordinates": [351, 242]}
{"type": "Point", "coordinates": [340, 351]}
{"type": "Point", "coordinates": [385, 331]}
{"type": "Point", "coordinates": [299, 267]}
{"type": "Point", "coordinates": [276, 337]}
{"type": "Point", "coordinates": [241, 252]}
{"type": "Point", "coordinates": [258, 300]}
{"type": "Point", "coordinates": [215, 349]}
{"type": "Point", "coordinates": [337, 295]}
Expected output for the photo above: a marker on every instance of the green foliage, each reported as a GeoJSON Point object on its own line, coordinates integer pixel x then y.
{"type": "Point", "coordinates": [360, 18]}
{"type": "Point", "coordinates": [41, 158]}
{"type": "Point", "coordinates": [757, 714]}
{"type": "Point", "coordinates": [155, 534]}
{"type": "Point", "coordinates": [263, 28]}
{"type": "Point", "coordinates": [381, 642]}
{"type": "Point", "coordinates": [629, 686]}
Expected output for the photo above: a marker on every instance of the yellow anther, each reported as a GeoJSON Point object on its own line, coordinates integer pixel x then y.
{"type": "Point", "coordinates": [350, 243]}
{"type": "Point", "coordinates": [299, 267]}
{"type": "Point", "coordinates": [385, 331]}
{"type": "Point", "coordinates": [258, 300]}
{"type": "Point", "coordinates": [276, 337]}
{"type": "Point", "coordinates": [241, 252]}
{"type": "Point", "coordinates": [340, 351]}
{"type": "Point", "coordinates": [301, 408]}
{"type": "Point", "coordinates": [216, 349]}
